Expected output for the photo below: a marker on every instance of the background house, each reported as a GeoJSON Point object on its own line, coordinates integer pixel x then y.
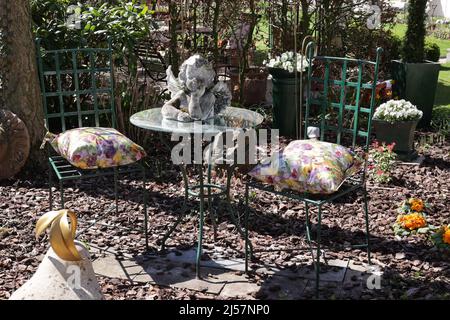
{"type": "Point", "coordinates": [440, 8]}
{"type": "Point", "coordinates": [437, 8]}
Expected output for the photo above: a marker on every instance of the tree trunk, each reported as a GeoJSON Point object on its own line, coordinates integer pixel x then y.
{"type": "Point", "coordinates": [21, 92]}
{"type": "Point", "coordinates": [215, 31]}
{"type": "Point", "coordinates": [174, 56]}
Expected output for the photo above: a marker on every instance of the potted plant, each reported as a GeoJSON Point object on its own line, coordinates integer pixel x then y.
{"type": "Point", "coordinates": [286, 71]}
{"type": "Point", "coordinates": [395, 122]}
{"type": "Point", "coordinates": [415, 77]}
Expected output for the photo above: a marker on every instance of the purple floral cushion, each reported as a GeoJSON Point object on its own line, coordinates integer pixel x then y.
{"type": "Point", "coordinates": [309, 166]}
{"type": "Point", "coordinates": [92, 148]}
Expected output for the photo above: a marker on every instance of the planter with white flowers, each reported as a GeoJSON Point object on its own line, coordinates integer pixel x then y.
{"type": "Point", "coordinates": [396, 121]}
{"type": "Point", "coordinates": [286, 71]}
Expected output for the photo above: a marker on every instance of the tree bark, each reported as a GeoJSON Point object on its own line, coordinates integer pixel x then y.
{"type": "Point", "coordinates": [173, 26]}
{"type": "Point", "coordinates": [21, 90]}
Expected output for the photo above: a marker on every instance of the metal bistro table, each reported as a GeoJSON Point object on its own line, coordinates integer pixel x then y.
{"type": "Point", "coordinates": [230, 120]}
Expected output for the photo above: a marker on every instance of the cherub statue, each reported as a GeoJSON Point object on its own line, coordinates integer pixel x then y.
{"type": "Point", "coordinates": [194, 94]}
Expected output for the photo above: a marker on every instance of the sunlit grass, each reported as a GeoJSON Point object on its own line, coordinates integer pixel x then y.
{"type": "Point", "coordinates": [443, 90]}
{"type": "Point", "coordinates": [400, 31]}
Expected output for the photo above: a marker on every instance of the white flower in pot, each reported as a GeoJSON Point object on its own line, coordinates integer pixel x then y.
{"type": "Point", "coordinates": [396, 121]}
{"type": "Point", "coordinates": [288, 61]}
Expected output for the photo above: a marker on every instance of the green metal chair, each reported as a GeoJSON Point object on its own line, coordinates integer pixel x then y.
{"type": "Point", "coordinates": [342, 108]}
{"type": "Point", "coordinates": [77, 88]}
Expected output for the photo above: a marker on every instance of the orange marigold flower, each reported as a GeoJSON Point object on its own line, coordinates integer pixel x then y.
{"type": "Point", "coordinates": [416, 205]}
{"type": "Point", "coordinates": [412, 221]}
{"type": "Point", "coordinates": [446, 235]}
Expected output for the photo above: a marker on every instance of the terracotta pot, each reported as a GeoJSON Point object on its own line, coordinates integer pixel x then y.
{"type": "Point", "coordinates": [255, 86]}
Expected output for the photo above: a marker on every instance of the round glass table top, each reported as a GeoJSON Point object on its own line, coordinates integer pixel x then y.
{"type": "Point", "coordinates": [230, 119]}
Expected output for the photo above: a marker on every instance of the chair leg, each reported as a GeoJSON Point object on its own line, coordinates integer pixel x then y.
{"type": "Point", "coordinates": [319, 225]}
{"type": "Point", "coordinates": [144, 199]}
{"type": "Point", "coordinates": [307, 222]}
{"type": "Point", "coordinates": [366, 213]}
{"type": "Point", "coordinates": [61, 190]}
{"type": "Point", "coordinates": [247, 210]}
{"type": "Point", "coordinates": [116, 190]}
{"type": "Point", "coordinates": [308, 229]}
{"type": "Point", "coordinates": [50, 184]}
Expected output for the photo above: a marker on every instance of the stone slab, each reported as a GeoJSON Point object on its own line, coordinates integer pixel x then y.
{"type": "Point", "coordinates": [189, 256]}
{"type": "Point", "coordinates": [238, 286]}
{"type": "Point", "coordinates": [335, 271]}
{"type": "Point", "coordinates": [225, 278]}
{"type": "Point", "coordinates": [184, 278]}
{"type": "Point", "coordinates": [111, 267]}
{"type": "Point", "coordinates": [282, 288]}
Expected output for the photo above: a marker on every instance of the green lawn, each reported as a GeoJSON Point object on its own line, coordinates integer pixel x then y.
{"type": "Point", "coordinates": [443, 90]}
{"type": "Point", "coordinates": [400, 30]}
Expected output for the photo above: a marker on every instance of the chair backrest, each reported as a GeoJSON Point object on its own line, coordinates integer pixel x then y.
{"type": "Point", "coordinates": [151, 60]}
{"type": "Point", "coordinates": [77, 87]}
{"type": "Point", "coordinates": [340, 97]}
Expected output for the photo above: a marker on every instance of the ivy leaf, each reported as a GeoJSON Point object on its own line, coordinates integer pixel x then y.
{"type": "Point", "coordinates": [144, 11]}
{"type": "Point", "coordinates": [423, 230]}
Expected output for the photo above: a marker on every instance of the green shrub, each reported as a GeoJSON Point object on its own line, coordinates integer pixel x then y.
{"type": "Point", "coordinates": [362, 43]}
{"type": "Point", "coordinates": [413, 47]}
{"type": "Point", "coordinates": [125, 23]}
{"type": "Point", "coordinates": [432, 52]}
{"type": "Point", "coordinates": [441, 119]}
{"type": "Point", "coordinates": [442, 112]}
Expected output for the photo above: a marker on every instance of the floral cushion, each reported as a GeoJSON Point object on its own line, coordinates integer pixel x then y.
{"type": "Point", "coordinates": [93, 148]}
{"type": "Point", "coordinates": [309, 166]}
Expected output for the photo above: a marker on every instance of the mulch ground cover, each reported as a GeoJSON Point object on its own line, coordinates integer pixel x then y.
{"type": "Point", "coordinates": [413, 268]}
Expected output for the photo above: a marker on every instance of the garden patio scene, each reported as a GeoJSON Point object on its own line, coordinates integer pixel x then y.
{"type": "Point", "coordinates": [224, 150]}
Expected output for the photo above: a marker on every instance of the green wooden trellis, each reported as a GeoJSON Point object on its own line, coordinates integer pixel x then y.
{"type": "Point", "coordinates": [332, 130]}
{"type": "Point", "coordinates": [70, 66]}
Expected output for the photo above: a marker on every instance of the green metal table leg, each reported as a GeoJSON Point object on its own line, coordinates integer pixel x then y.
{"type": "Point", "coordinates": [234, 218]}
{"type": "Point", "coordinates": [210, 206]}
{"type": "Point", "coordinates": [186, 182]}
{"type": "Point", "coordinates": [247, 209]}
{"type": "Point", "coordinates": [201, 221]}
{"type": "Point", "coordinates": [366, 213]}
{"type": "Point", "coordinates": [162, 242]}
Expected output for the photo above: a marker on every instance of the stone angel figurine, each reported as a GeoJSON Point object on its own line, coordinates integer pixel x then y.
{"type": "Point", "coordinates": [195, 96]}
